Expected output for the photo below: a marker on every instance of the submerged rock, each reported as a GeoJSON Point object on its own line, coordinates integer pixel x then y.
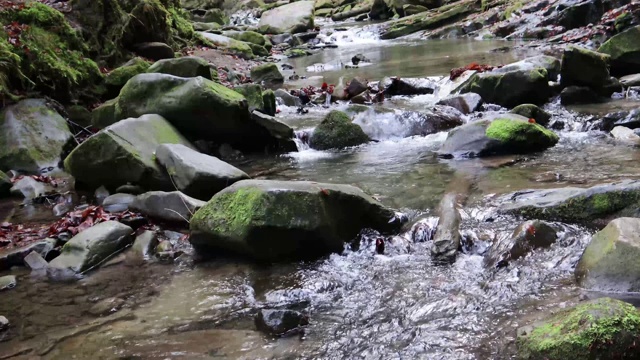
{"type": "Point", "coordinates": [186, 66]}
{"type": "Point", "coordinates": [598, 329]}
{"type": "Point", "coordinates": [337, 131]}
{"type": "Point", "coordinates": [32, 136]}
{"type": "Point", "coordinates": [531, 111]}
{"type": "Point", "coordinates": [510, 135]}
{"type": "Point", "coordinates": [573, 95]}
{"type": "Point", "coordinates": [465, 103]}
{"type": "Point", "coordinates": [91, 247]}
{"type": "Point", "coordinates": [511, 88]}
{"type": "Point", "coordinates": [573, 205]}
{"type": "Point", "coordinates": [624, 50]}
{"type": "Point", "coordinates": [610, 261]}
{"type": "Point", "coordinates": [196, 174]}
{"type": "Point", "coordinates": [267, 75]}
{"type": "Point", "coordinates": [15, 257]}
{"type": "Point", "coordinates": [291, 18]}
{"type": "Point", "coordinates": [173, 207]}
{"type": "Point", "coordinates": [447, 238]}
{"type": "Point", "coordinates": [529, 236]}
{"type": "Point", "coordinates": [286, 220]}
{"type": "Point", "coordinates": [582, 67]}
{"type": "Point", "coordinates": [124, 153]}
{"type": "Point", "coordinates": [280, 322]}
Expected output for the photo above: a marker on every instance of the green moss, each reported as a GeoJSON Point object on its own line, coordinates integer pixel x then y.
{"type": "Point", "coordinates": [532, 111]}
{"type": "Point", "coordinates": [508, 12]}
{"type": "Point", "coordinates": [337, 131]}
{"type": "Point", "coordinates": [258, 50]}
{"type": "Point", "coordinates": [520, 132]}
{"type": "Point", "coordinates": [603, 328]}
{"type": "Point", "coordinates": [294, 53]}
{"type": "Point", "coordinates": [431, 20]}
{"type": "Point", "coordinates": [231, 213]}
{"type": "Point", "coordinates": [118, 77]}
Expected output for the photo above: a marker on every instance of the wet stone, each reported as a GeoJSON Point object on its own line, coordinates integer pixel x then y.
{"type": "Point", "coordinates": [7, 282]}
{"type": "Point", "coordinates": [4, 323]}
{"type": "Point", "coordinates": [280, 322]}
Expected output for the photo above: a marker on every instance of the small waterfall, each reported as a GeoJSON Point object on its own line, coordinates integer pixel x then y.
{"type": "Point", "coordinates": [302, 139]}
{"type": "Point", "coordinates": [327, 101]}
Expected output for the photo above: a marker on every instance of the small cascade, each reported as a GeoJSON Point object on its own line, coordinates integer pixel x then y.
{"type": "Point", "coordinates": [245, 17]}
{"type": "Point", "coordinates": [327, 101]}
{"type": "Point", "coordinates": [352, 36]}
{"type": "Point", "coordinates": [302, 139]}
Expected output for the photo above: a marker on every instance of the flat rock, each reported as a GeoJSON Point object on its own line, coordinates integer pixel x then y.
{"type": "Point", "coordinates": [172, 206]}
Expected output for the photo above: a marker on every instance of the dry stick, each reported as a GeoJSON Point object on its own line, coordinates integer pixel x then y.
{"type": "Point", "coordinates": [183, 202]}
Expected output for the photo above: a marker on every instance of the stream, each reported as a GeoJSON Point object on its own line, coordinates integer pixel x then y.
{"type": "Point", "coordinates": [361, 305]}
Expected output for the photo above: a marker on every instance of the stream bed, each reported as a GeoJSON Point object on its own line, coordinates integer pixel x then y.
{"type": "Point", "coordinates": [361, 305]}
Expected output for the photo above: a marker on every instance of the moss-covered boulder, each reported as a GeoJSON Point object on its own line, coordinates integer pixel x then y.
{"type": "Point", "coordinates": [113, 28]}
{"type": "Point", "coordinates": [258, 50]}
{"type": "Point", "coordinates": [583, 67]}
{"type": "Point", "coordinates": [116, 79]}
{"type": "Point", "coordinates": [253, 94]}
{"type": "Point", "coordinates": [232, 46]}
{"type": "Point", "coordinates": [124, 153]}
{"type": "Point", "coordinates": [249, 37]}
{"type": "Point", "coordinates": [511, 88]}
{"type": "Point", "coordinates": [428, 20]}
{"type": "Point", "coordinates": [610, 262]}
{"type": "Point", "coordinates": [281, 220]}
{"type": "Point", "coordinates": [186, 66]}
{"type": "Point", "coordinates": [268, 75]}
{"type": "Point", "coordinates": [210, 16]}
{"type": "Point", "coordinates": [45, 54]}
{"type": "Point", "coordinates": [624, 49]}
{"type": "Point", "coordinates": [574, 205]}
{"type": "Point", "coordinates": [32, 136]}
{"type": "Point", "coordinates": [91, 247]}
{"type": "Point", "coordinates": [292, 18]}
{"type": "Point", "coordinates": [337, 131]}
{"type": "Point", "coordinates": [104, 115]}
{"type": "Point", "coordinates": [269, 101]}
{"type": "Point", "coordinates": [507, 135]}
{"type": "Point", "coordinates": [598, 329]}
{"type": "Point", "coordinates": [531, 111]}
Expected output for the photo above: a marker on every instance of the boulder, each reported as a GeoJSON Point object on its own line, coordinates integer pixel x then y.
{"type": "Point", "coordinates": [624, 50]}
{"type": "Point", "coordinates": [292, 18]}
{"type": "Point", "coordinates": [582, 67]}
{"type": "Point", "coordinates": [508, 135]}
{"type": "Point", "coordinates": [229, 45]}
{"type": "Point", "coordinates": [510, 89]}
{"type": "Point", "coordinates": [610, 261]}
{"type": "Point", "coordinates": [124, 153]}
{"type": "Point", "coordinates": [573, 205]}
{"type": "Point", "coordinates": [531, 111]}
{"type": "Point", "coordinates": [186, 66]}
{"type": "Point", "coordinates": [118, 77]}
{"type": "Point", "coordinates": [276, 128]}
{"type": "Point", "coordinates": [625, 135]}
{"type": "Point", "coordinates": [280, 322]}
{"type": "Point", "coordinates": [154, 51]}
{"type": "Point", "coordinates": [253, 94]}
{"type": "Point", "coordinates": [105, 114]}
{"type": "Point", "coordinates": [15, 257]}
{"type": "Point", "coordinates": [529, 236]}
{"type": "Point", "coordinates": [337, 131]}
{"type": "Point", "coordinates": [195, 174]}
{"type": "Point", "coordinates": [172, 207]}
{"type": "Point", "coordinates": [407, 86]}
{"type": "Point", "coordinates": [574, 95]}
{"type": "Point", "coordinates": [268, 75]}
{"type": "Point", "coordinates": [91, 247]}
{"type": "Point", "coordinates": [118, 202]}
{"type": "Point", "coordinates": [145, 244]}
{"type": "Point", "coordinates": [32, 136]}
{"type": "Point", "coordinates": [356, 87]}
{"type": "Point", "coordinates": [447, 237]}
{"type": "Point", "coordinates": [551, 64]}
{"type": "Point", "coordinates": [269, 101]}
{"type": "Point", "coordinates": [286, 98]}
{"type": "Point", "coordinates": [286, 220]}
{"type": "Point", "coordinates": [465, 103]}
{"type": "Point", "coordinates": [598, 329]}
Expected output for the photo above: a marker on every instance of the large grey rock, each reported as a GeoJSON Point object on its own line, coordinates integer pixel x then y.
{"type": "Point", "coordinates": [624, 49]}
{"type": "Point", "coordinates": [32, 136]}
{"type": "Point", "coordinates": [124, 153]}
{"type": "Point", "coordinates": [551, 64]}
{"type": "Point", "coordinates": [610, 261]}
{"type": "Point", "coordinates": [337, 131]}
{"type": "Point", "coordinates": [292, 18]}
{"type": "Point", "coordinates": [287, 99]}
{"type": "Point", "coordinates": [573, 205]}
{"type": "Point", "coordinates": [15, 257]}
{"type": "Point", "coordinates": [512, 88]}
{"type": "Point", "coordinates": [91, 247]}
{"type": "Point", "coordinates": [186, 66]}
{"type": "Point", "coordinates": [447, 238]}
{"type": "Point", "coordinates": [195, 174]}
{"type": "Point", "coordinates": [285, 220]}
{"type": "Point", "coordinates": [582, 67]}
{"type": "Point", "coordinates": [118, 202]}
{"type": "Point", "coordinates": [276, 128]}
{"type": "Point", "coordinates": [407, 86]}
{"type": "Point", "coordinates": [174, 207]}
{"type": "Point", "coordinates": [509, 134]}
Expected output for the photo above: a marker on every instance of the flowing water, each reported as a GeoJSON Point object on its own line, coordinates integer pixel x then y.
{"type": "Point", "coordinates": [362, 305]}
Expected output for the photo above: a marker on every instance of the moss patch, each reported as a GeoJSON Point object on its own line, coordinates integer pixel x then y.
{"type": "Point", "coordinates": [337, 131]}
{"type": "Point", "coordinates": [521, 134]}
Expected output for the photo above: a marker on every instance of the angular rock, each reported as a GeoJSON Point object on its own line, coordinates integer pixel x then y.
{"type": "Point", "coordinates": [279, 130]}
{"type": "Point", "coordinates": [582, 67]}
{"type": "Point", "coordinates": [249, 37]}
{"type": "Point", "coordinates": [286, 220]}
{"type": "Point", "coordinates": [624, 50]}
{"type": "Point", "coordinates": [511, 134]}
{"type": "Point", "coordinates": [145, 244]}
{"type": "Point", "coordinates": [124, 153]}
{"type": "Point", "coordinates": [32, 136]}
{"type": "Point", "coordinates": [35, 261]}
{"type": "Point", "coordinates": [337, 131]}
{"type": "Point", "coordinates": [280, 322]}
{"type": "Point", "coordinates": [292, 18]}
{"type": "Point", "coordinates": [529, 236]}
{"type": "Point", "coordinates": [15, 257]}
{"type": "Point", "coordinates": [573, 95]}
{"type": "Point", "coordinates": [91, 247]}
{"type": "Point", "coordinates": [512, 88]}
{"type": "Point", "coordinates": [531, 111]}
{"type": "Point", "coordinates": [105, 114]}
{"type": "Point", "coordinates": [609, 263]}
{"type": "Point", "coordinates": [154, 51]}
{"type": "Point", "coordinates": [7, 282]}
{"type": "Point", "coordinates": [595, 329]}
{"type": "Point", "coordinates": [173, 207]}
{"type": "Point", "coordinates": [118, 202]}
{"type": "Point", "coordinates": [268, 75]}
{"type": "Point", "coordinates": [356, 87]}
{"type": "Point", "coordinates": [447, 238]}
{"type": "Point", "coordinates": [195, 174]}
{"type": "Point", "coordinates": [186, 66]}
{"type": "Point", "coordinates": [573, 205]}
{"type": "Point", "coordinates": [465, 103]}
{"type": "Point", "coordinates": [29, 188]}
{"type": "Point", "coordinates": [287, 99]}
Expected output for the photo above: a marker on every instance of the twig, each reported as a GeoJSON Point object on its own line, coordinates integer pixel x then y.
{"type": "Point", "coordinates": [177, 213]}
